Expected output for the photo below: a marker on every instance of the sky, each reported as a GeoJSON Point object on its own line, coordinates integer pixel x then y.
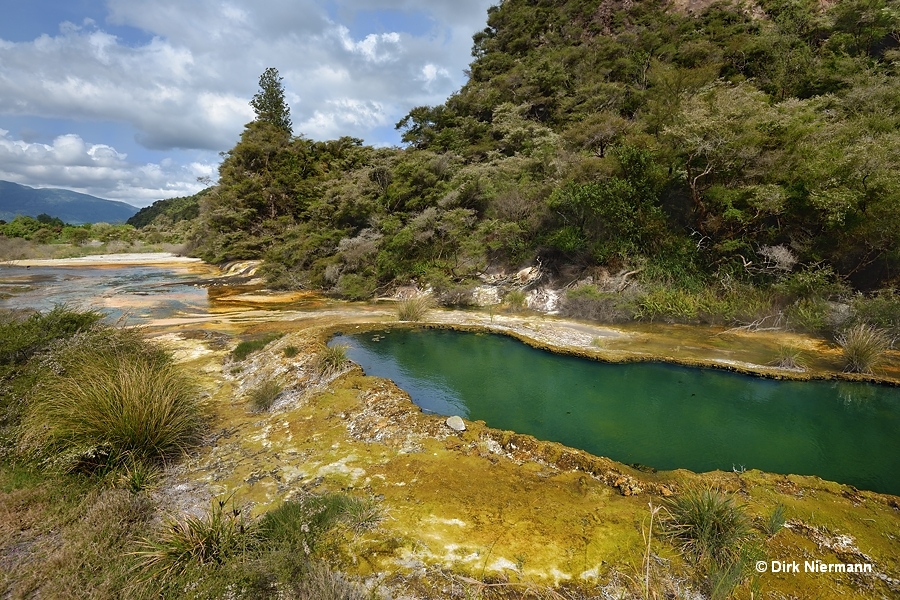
{"type": "Point", "coordinates": [133, 100]}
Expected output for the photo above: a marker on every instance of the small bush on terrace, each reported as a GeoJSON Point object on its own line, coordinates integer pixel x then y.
{"type": "Point", "coordinates": [224, 554]}
{"type": "Point", "coordinates": [263, 396]}
{"type": "Point", "coordinates": [790, 357]}
{"type": "Point", "coordinates": [211, 539]}
{"type": "Point", "coordinates": [301, 525]}
{"type": "Point", "coordinates": [516, 300]}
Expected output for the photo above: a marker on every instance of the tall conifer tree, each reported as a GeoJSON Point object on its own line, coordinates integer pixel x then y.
{"type": "Point", "coordinates": [269, 102]}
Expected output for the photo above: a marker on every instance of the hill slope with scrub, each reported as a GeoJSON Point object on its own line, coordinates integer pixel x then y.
{"type": "Point", "coordinates": [740, 160]}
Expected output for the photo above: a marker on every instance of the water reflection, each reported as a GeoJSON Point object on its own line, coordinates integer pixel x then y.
{"type": "Point", "coordinates": [137, 293]}
{"type": "Point", "coordinates": [660, 415]}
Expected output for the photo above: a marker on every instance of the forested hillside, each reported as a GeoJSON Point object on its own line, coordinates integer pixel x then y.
{"type": "Point", "coordinates": [739, 151]}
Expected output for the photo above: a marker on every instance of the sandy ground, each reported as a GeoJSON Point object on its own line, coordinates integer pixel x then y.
{"type": "Point", "coordinates": [147, 258]}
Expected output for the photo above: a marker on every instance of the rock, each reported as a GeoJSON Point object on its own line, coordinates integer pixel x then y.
{"type": "Point", "coordinates": [456, 424]}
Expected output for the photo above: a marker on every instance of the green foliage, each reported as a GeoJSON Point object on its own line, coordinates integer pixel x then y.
{"type": "Point", "coordinates": [302, 525]}
{"type": "Point", "coordinates": [168, 212]}
{"type": "Point", "coordinates": [23, 336]}
{"type": "Point", "coordinates": [109, 397]}
{"type": "Point", "coordinates": [587, 302]}
{"type": "Point", "coordinates": [354, 286]}
{"type": "Point", "coordinates": [881, 310]}
{"type": "Point", "coordinates": [247, 347]}
{"type": "Point", "coordinates": [862, 348]}
{"type": "Point", "coordinates": [281, 555]}
{"type": "Point", "coordinates": [702, 147]}
{"type": "Point", "coordinates": [515, 300]}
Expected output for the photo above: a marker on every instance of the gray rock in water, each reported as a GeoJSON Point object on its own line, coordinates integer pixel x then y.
{"type": "Point", "coordinates": [456, 424]}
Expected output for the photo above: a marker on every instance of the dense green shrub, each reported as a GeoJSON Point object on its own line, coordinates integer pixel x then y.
{"type": "Point", "coordinates": [24, 335]}
{"type": "Point", "coordinates": [587, 302]}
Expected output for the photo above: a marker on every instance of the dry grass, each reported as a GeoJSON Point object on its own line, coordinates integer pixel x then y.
{"type": "Point", "coordinates": [790, 358]}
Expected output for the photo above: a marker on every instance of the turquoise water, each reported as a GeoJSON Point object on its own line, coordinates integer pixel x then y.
{"type": "Point", "coordinates": [655, 414]}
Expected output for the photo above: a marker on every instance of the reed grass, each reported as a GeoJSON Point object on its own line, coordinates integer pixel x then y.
{"type": "Point", "coordinates": [414, 309]}
{"type": "Point", "coordinates": [775, 521]}
{"type": "Point", "coordinates": [863, 348]}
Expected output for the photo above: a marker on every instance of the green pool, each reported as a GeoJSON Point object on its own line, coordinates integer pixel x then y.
{"type": "Point", "coordinates": [655, 414]}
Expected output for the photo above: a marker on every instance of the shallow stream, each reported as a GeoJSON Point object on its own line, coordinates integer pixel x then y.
{"type": "Point", "coordinates": [654, 414]}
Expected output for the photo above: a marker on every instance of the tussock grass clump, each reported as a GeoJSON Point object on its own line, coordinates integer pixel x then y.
{"type": "Point", "coordinates": [707, 525]}
{"type": "Point", "coordinates": [302, 525]}
{"type": "Point", "coordinates": [290, 351]}
{"type": "Point", "coordinates": [248, 347]}
{"type": "Point", "coordinates": [414, 309]}
{"type": "Point", "coordinates": [790, 358]}
{"type": "Point", "coordinates": [863, 348]}
{"type": "Point", "coordinates": [263, 396]}
{"type": "Point", "coordinates": [281, 555]}
{"type": "Point", "coordinates": [331, 360]}
{"type": "Point", "coordinates": [110, 398]}
{"type": "Point", "coordinates": [211, 539]}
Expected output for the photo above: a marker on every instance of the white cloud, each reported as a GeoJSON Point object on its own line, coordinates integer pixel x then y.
{"type": "Point", "coordinates": [187, 83]}
{"type": "Point", "coordinates": [96, 169]}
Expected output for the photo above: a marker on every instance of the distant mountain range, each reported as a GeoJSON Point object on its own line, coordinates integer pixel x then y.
{"type": "Point", "coordinates": [71, 207]}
